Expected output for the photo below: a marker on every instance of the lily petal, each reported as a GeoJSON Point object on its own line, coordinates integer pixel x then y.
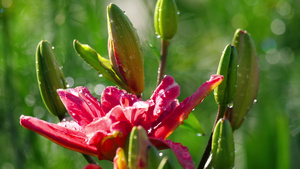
{"type": "Point", "coordinates": [68, 138]}
{"type": "Point", "coordinates": [167, 91]}
{"type": "Point", "coordinates": [181, 152]}
{"type": "Point", "coordinates": [181, 112]}
{"type": "Point", "coordinates": [112, 97]}
{"type": "Point", "coordinates": [81, 105]}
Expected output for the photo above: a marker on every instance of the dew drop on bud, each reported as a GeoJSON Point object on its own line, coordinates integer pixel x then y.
{"type": "Point", "coordinates": [230, 105]}
{"type": "Point", "coordinates": [254, 101]}
{"type": "Point", "coordinates": [52, 47]}
{"type": "Point", "coordinates": [158, 36]}
{"type": "Point", "coordinates": [100, 75]}
{"type": "Point", "coordinates": [160, 154]}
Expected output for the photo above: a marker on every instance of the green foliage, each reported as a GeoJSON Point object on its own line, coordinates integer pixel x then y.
{"type": "Point", "coordinates": [269, 136]}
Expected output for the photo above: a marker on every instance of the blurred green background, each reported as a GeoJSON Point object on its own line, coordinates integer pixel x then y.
{"type": "Point", "coordinates": [268, 138]}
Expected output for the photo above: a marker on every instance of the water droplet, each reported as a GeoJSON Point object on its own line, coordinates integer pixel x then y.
{"type": "Point", "coordinates": [178, 13]}
{"type": "Point", "coordinates": [230, 105]}
{"type": "Point", "coordinates": [160, 154]}
{"type": "Point", "coordinates": [158, 36]}
{"type": "Point", "coordinates": [237, 65]}
{"type": "Point", "coordinates": [193, 109]}
{"type": "Point", "coordinates": [100, 75]}
{"type": "Point", "coordinates": [254, 101]}
{"type": "Point", "coordinates": [52, 47]}
{"type": "Point", "coordinates": [199, 134]}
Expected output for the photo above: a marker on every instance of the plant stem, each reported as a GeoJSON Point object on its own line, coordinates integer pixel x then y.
{"type": "Point", "coordinates": [89, 159]}
{"type": "Point", "coordinates": [206, 153]}
{"type": "Point", "coordinates": [163, 60]}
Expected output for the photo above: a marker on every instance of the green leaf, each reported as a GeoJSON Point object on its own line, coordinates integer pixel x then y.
{"type": "Point", "coordinates": [192, 124]}
{"type": "Point", "coordinates": [99, 63]}
{"type": "Point", "coordinates": [154, 50]}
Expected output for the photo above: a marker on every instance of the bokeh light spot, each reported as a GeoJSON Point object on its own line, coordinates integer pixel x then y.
{"type": "Point", "coordinates": [287, 55]}
{"type": "Point", "coordinates": [30, 100]}
{"type": "Point", "coordinates": [273, 57]}
{"type": "Point", "coordinates": [99, 89]}
{"type": "Point", "coordinates": [268, 45]}
{"type": "Point", "coordinates": [6, 3]}
{"type": "Point", "coordinates": [69, 81]}
{"type": "Point", "coordinates": [283, 8]}
{"type": "Point", "coordinates": [278, 27]}
{"type": "Point", "coordinates": [38, 112]}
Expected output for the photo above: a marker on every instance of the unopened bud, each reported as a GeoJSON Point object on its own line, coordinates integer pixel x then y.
{"type": "Point", "coordinates": [125, 49]}
{"type": "Point", "coordinates": [120, 159]}
{"type": "Point", "coordinates": [222, 149]}
{"type": "Point", "coordinates": [225, 92]}
{"type": "Point", "coordinates": [247, 78]}
{"type": "Point", "coordinates": [138, 148]}
{"type": "Point", "coordinates": [166, 19]}
{"type": "Point", "coordinates": [50, 78]}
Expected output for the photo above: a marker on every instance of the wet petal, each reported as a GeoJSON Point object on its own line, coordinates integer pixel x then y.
{"type": "Point", "coordinates": [167, 91]}
{"type": "Point", "coordinates": [68, 138]}
{"type": "Point", "coordinates": [181, 152]}
{"type": "Point", "coordinates": [112, 97]}
{"type": "Point", "coordinates": [81, 105]}
{"type": "Point", "coordinates": [181, 112]}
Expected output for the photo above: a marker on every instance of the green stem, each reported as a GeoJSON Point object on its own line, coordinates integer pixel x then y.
{"type": "Point", "coordinates": [206, 154]}
{"type": "Point", "coordinates": [89, 159]}
{"type": "Point", "coordinates": [163, 60]}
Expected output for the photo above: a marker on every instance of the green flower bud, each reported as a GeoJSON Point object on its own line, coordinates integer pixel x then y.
{"type": "Point", "coordinates": [222, 148]}
{"type": "Point", "coordinates": [125, 50]}
{"type": "Point", "coordinates": [225, 92]}
{"type": "Point", "coordinates": [138, 148]}
{"type": "Point", "coordinates": [247, 78]}
{"type": "Point", "coordinates": [50, 78]}
{"type": "Point", "coordinates": [166, 19]}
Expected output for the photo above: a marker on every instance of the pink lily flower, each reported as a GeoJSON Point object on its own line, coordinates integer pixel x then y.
{"type": "Point", "coordinates": [99, 128]}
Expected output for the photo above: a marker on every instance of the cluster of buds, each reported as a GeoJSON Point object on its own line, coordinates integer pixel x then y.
{"type": "Point", "coordinates": [235, 96]}
{"type": "Point", "coordinates": [239, 67]}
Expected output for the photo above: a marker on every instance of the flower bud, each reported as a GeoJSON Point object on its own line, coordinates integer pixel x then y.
{"type": "Point", "coordinates": [225, 92]}
{"type": "Point", "coordinates": [166, 19]}
{"type": "Point", "coordinates": [50, 78]}
{"type": "Point", "coordinates": [222, 148]}
{"type": "Point", "coordinates": [138, 148]}
{"type": "Point", "coordinates": [125, 50]}
{"type": "Point", "coordinates": [247, 78]}
{"type": "Point", "coordinates": [120, 159]}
